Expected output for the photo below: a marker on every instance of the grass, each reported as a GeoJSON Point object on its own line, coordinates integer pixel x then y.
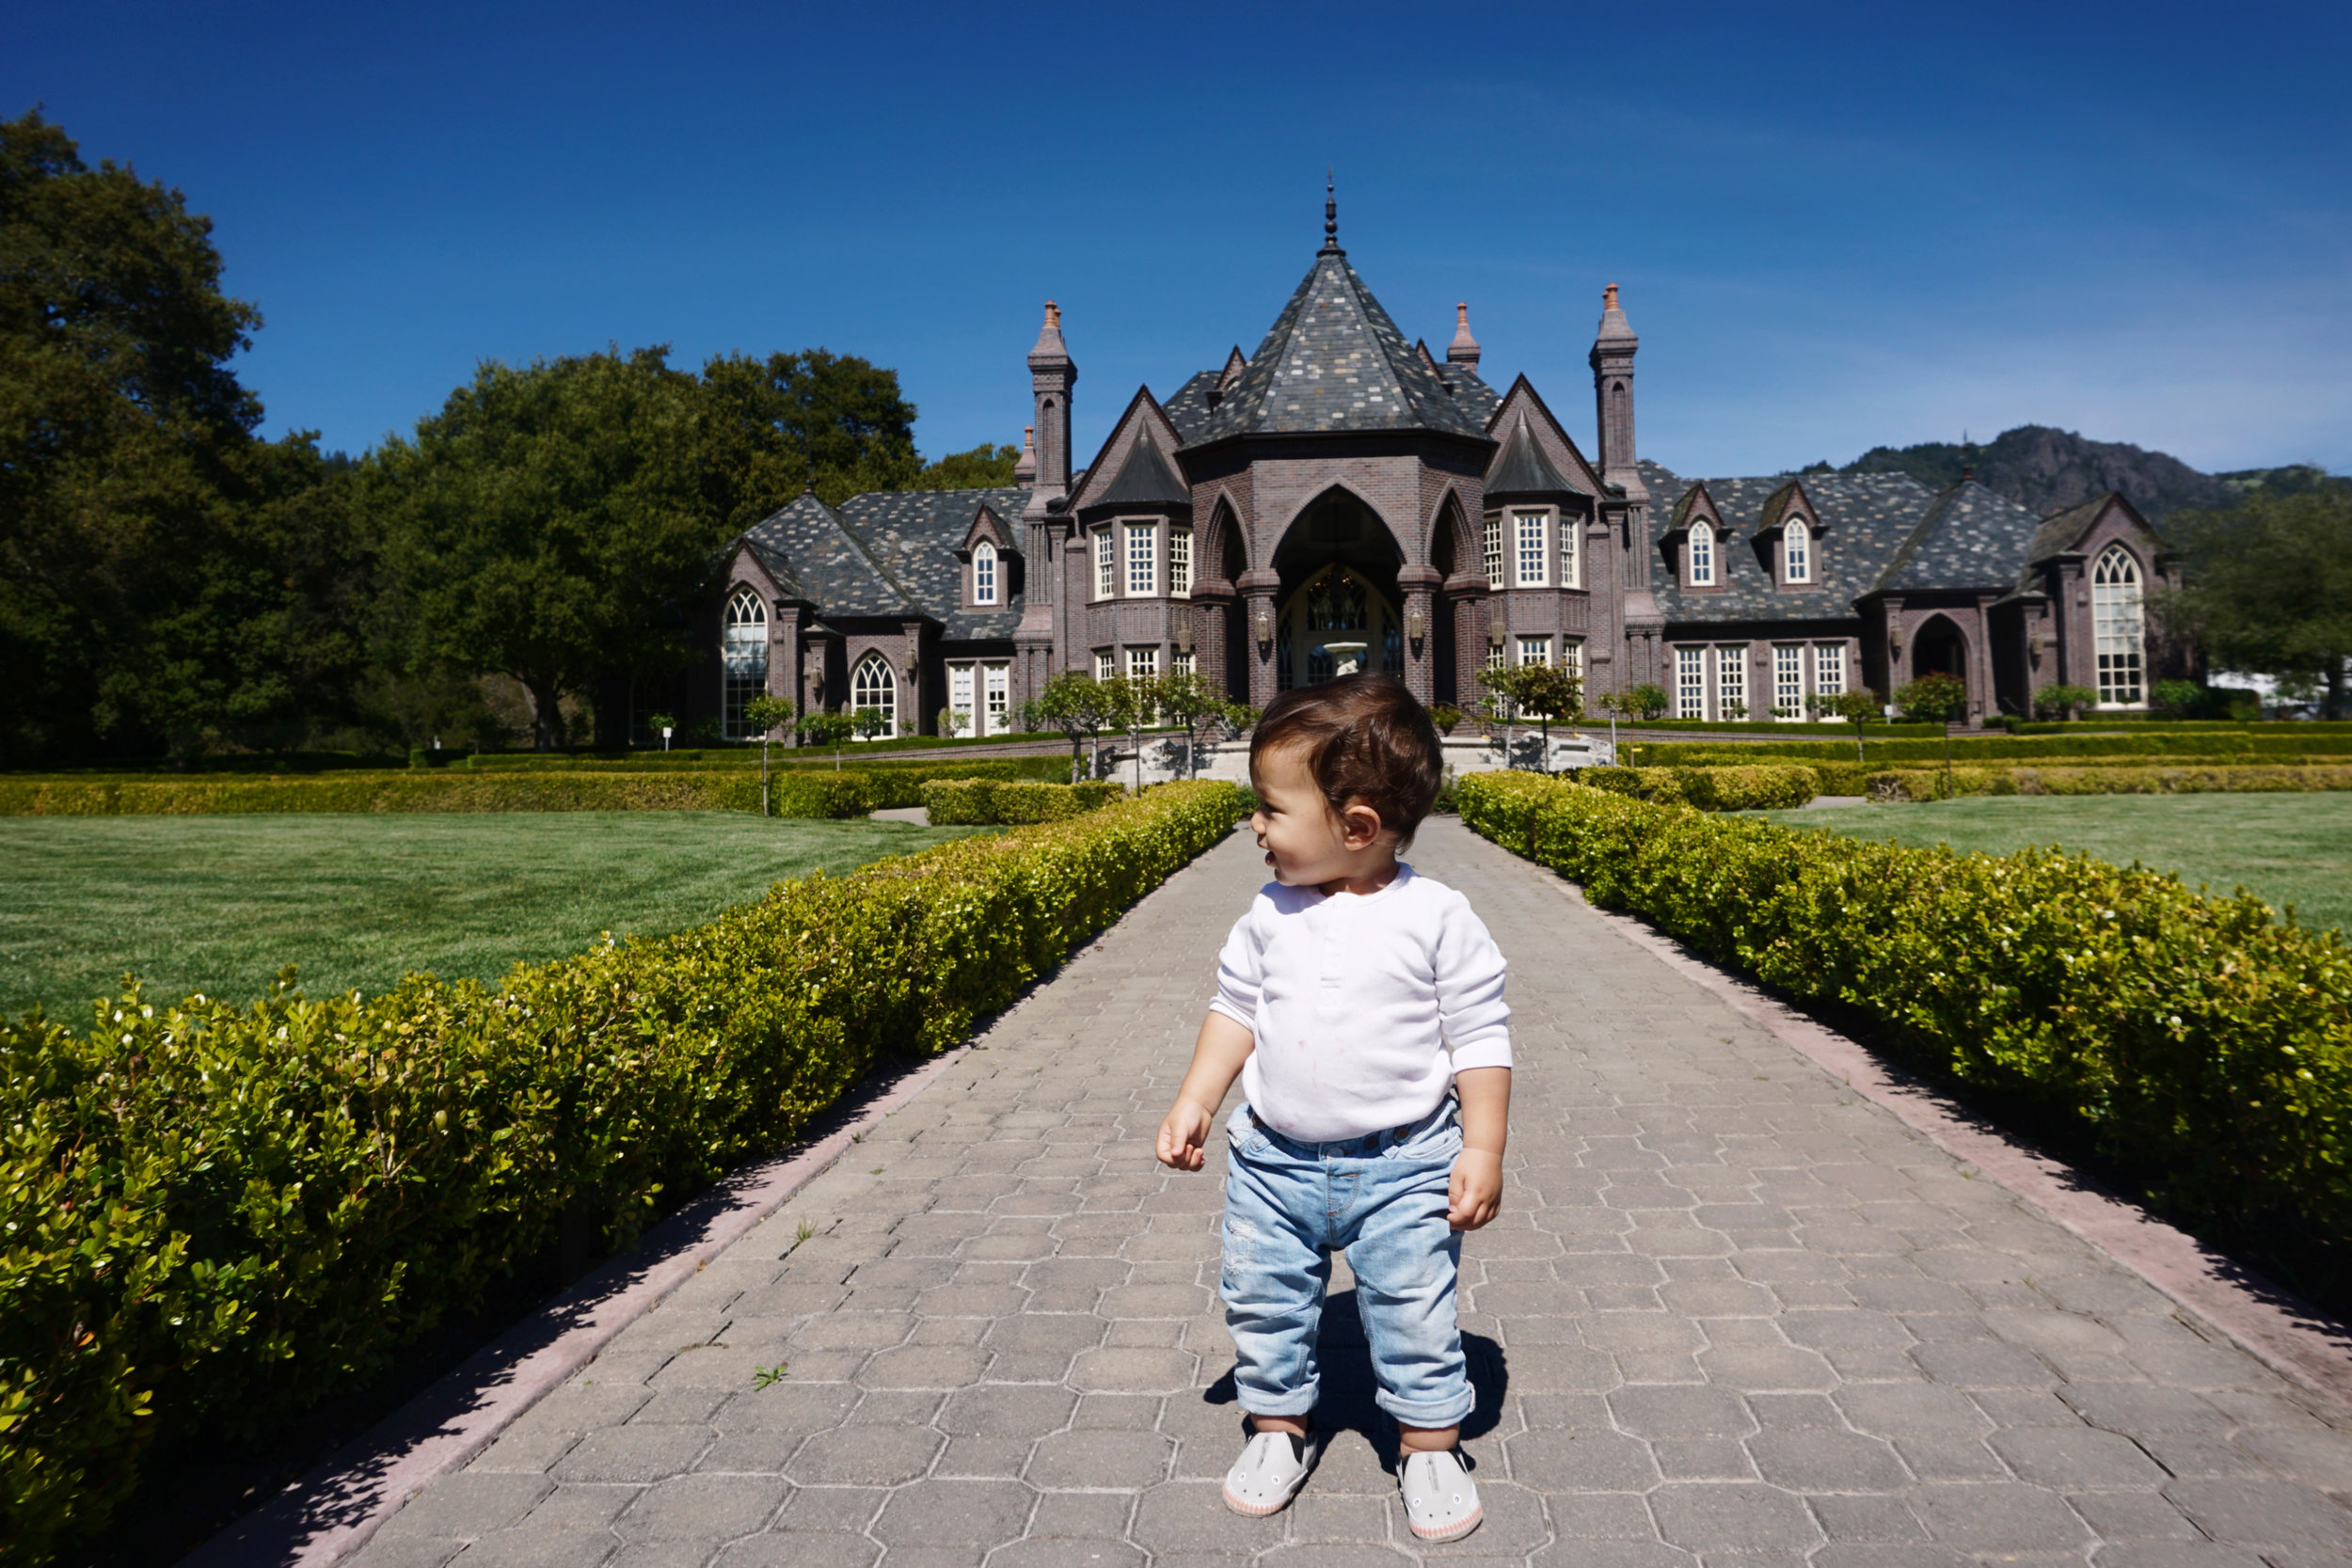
{"type": "Point", "coordinates": [216, 904]}
{"type": "Point", "coordinates": [2285, 850]}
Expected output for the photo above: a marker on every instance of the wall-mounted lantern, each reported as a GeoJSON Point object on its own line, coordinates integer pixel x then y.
{"type": "Point", "coordinates": [914, 651]}
{"type": "Point", "coordinates": [1416, 626]}
{"type": "Point", "coordinates": [1263, 621]}
{"type": "Point", "coordinates": [1894, 640]}
{"type": "Point", "coordinates": [2034, 645]}
{"type": "Point", "coordinates": [1498, 622]}
{"type": "Point", "coordinates": [1183, 633]}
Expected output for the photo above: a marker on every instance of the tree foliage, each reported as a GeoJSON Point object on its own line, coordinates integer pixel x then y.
{"type": "Point", "coordinates": [164, 577]}
{"type": "Point", "coordinates": [551, 523]}
{"type": "Point", "coordinates": [2269, 588]}
{"type": "Point", "coordinates": [773, 427]}
{"type": "Point", "coordinates": [984, 468]}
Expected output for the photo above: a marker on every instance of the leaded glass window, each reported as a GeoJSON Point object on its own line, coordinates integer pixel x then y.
{"type": "Point", "coordinates": [1788, 680]}
{"type": "Point", "coordinates": [1702, 555]}
{"type": "Point", "coordinates": [1178, 562]}
{"type": "Point", "coordinates": [743, 655]}
{"type": "Point", "coordinates": [1106, 565]}
{"type": "Point", "coordinates": [1534, 650]}
{"type": "Point", "coordinates": [1690, 683]}
{"type": "Point", "coordinates": [2117, 627]}
{"type": "Point", "coordinates": [997, 681]}
{"type": "Point", "coordinates": [1731, 680]}
{"type": "Point", "coordinates": [1528, 530]}
{"type": "Point", "coordinates": [873, 685]}
{"type": "Point", "coordinates": [1796, 552]}
{"type": "Point", "coordinates": [1142, 559]}
{"type": "Point", "coordinates": [1493, 550]}
{"type": "Point", "coordinates": [983, 573]}
{"type": "Point", "coordinates": [1829, 669]}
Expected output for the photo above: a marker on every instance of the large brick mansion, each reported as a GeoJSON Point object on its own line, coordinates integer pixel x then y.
{"type": "Point", "coordinates": [1342, 486]}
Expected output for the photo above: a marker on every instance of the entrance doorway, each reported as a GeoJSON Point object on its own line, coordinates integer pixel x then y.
{"type": "Point", "coordinates": [1339, 567]}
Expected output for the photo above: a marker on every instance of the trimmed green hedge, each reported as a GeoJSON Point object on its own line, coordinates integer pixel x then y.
{"type": "Point", "coordinates": [799, 792]}
{"type": "Point", "coordinates": [1926, 784]}
{"type": "Point", "coordinates": [1763, 787]}
{"type": "Point", "coordinates": [2274, 742]}
{"type": "Point", "coordinates": [2198, 1044]}
{"type": "Point", "coordinates": [953, 801]}
{"type": "Point", "coordinates": [216, 1214]}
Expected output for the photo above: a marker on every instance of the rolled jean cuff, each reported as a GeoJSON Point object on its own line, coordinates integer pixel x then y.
{"type": "Point", "coordinates": [1299, 1402]}
{"type": "Point", "coordinates": [1426, 1413]}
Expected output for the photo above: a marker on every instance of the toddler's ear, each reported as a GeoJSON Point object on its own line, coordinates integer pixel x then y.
{"type": "Point", "coordinates": [1360, 825]}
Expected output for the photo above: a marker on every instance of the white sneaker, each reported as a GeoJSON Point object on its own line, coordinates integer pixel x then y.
{"type": "Point", "coordinates": [1441, 1499]}
{"type": "Point", "coordinates": [1271, 1469]}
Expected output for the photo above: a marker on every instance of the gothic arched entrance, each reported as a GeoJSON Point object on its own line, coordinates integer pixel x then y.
{"type": "Point", "coordinates": [1339, 565]}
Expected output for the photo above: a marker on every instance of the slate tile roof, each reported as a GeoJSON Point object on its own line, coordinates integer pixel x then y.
{"type": "Point", "coordinates": [1333, 361]}
{"type": "Point", "coordinates": [1188, 409]}
{"type": "Point", "coordinates": [1969, 538]}
{"type": "Point", "coordinates": [831, 566]}
{"type": "Point", "coordinates": [2059, 531]}
{"type": "Point", "coordinates": [913, 534]}
{"type": "Point", "coordinates": [1866, 519]}
{"type": "Point", "coordinates": [889, 554]}
{"type": "Point", "coordinates": [1145, 478]}
{"type": "Point", "coordinates": [1472, 395]}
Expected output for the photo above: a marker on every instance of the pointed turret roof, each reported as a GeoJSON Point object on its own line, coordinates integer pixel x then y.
{"type": "Point", "coordinates": [1145, 478]}
{"type": "Point", "coordinates": [1523, 468]}
{"type": "Point", "coordinates": [1334, 361]}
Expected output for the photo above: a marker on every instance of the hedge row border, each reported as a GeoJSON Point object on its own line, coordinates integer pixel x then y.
{"type": "Point", "coordinates": [2244, 1307]}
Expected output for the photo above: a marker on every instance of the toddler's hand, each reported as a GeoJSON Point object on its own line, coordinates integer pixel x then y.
{"type": "Point", "coordinates": [1474, 1194]}
{"type": "Point", "coordinates": [1185, 1136]}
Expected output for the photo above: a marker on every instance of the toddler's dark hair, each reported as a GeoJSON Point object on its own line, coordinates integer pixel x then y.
{"type": "Point", "coordinates": [1366, 738]}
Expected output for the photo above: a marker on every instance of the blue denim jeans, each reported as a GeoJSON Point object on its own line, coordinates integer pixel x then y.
{"type": "Point", "coordinates": [1382, 1200]}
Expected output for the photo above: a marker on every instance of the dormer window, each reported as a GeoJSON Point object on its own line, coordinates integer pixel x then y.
{"type": "Point", "coordinates": [1796, 552]}
{"type": "Point", "coordinates": [983, 573]}
{"type": "Point", "coordinates": [1702, 556]}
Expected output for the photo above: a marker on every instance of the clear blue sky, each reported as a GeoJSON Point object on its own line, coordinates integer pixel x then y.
{"type": "Point", "coordinates": [1835, 226]}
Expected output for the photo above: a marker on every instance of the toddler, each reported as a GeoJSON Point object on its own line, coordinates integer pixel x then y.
{"type": "Point", "coordinates": [1351, 997]}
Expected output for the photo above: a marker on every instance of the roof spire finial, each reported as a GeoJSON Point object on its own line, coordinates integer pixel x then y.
{"type": "Point", "coordinates": [1330, 208]}
{"type": "Point", "coordinates": [1464, 349]}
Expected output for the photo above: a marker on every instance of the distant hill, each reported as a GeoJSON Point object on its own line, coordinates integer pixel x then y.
{"type": "Point", "coordinates": [2048, 470]}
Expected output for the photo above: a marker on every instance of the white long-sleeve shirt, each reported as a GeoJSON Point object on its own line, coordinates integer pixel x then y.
{"type": "Point", "coordinates": [1364, 1007]}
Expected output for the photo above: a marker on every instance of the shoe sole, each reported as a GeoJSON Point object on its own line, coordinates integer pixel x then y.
{"type": "Point", "coordinates": [1451, 1532]}
{"type": "Point", "coordinates": [1253, 1510]}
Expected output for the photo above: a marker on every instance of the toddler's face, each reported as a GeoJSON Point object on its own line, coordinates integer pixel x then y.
{"type": "Point", "coordinates": [1305, 842]}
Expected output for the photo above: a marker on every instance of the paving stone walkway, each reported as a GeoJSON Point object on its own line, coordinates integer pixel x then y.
{"type": "Point", "coordinates": [1733, 1315]}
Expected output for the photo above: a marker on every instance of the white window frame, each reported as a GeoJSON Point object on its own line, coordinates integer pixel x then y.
{"type": "Point", "coordinates": [984, 573]}
{"type": "Point", "coordinates": [1829, 669]}
{"type": "Point", "coordinates": [1691, 682]}
{"type": "Point", "coordinates": [1731, 682]}
{"type": "Point", "coordinates": [1105, 539]}
{"type": "Point", "coordinates": [1699, 555]}
{"type": "Point", "coordinates": [997, 697]}
{"type": "Point", "coordinates": [959, 696]}
{"type": "Point", "coordinates": [1105, 663]}
{"type": "Point", "coordinates": [861, 685]}
{"type": "Point", "coordinates": [743, 660]}
{"type": "Point", "coordinates": [1490, 551]}
{"type": "Point", "coordinates": [1142, 573]}
{"type": "Point", "coordinates": [1531, 547]}
{"type": "Point", "coordinates": [1796, 552]}
{"type": "Point", "coordinates": [1498, 656]}
{"type": "Point", "coordinates": [1571, 549]}
{"type": "Point", "coordinates": [1534, 650]}
{"type": "Point", "coordinates": [1572, 655]}
{"type": "Point", "coordinates": [1180, 662]}
{"type": "Point", "coordinates": [2120, 628]}
{"type": "Point", "coordinates": [1178, 563]}
{"type": "Point", "coordinates": [1789, 680]}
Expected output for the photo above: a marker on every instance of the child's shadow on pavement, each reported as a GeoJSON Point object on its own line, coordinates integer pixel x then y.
{"type": "Point", "coordinates": [1346, 1403]}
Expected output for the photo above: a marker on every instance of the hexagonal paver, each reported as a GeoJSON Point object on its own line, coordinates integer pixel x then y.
{"type": "Point", "coordinates": [865, 1456]}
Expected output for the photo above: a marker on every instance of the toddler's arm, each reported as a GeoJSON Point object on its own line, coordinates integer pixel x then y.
{"type": "Point", "coordinates": [1218, 1056]}
{"type": "Point", "coordinates": [1474, 1195]}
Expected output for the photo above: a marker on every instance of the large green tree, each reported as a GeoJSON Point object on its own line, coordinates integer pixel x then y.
{"type": "Point", "coordinates": [553, 523]}
{"type": "Point", "coordinates": [2269, 588]}
{"type": "Point", "coordinates": [772, 427]}
{"type": "Point", "coordinates": [157, 562]}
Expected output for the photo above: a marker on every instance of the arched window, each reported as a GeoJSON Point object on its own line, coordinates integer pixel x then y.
{"type": "Point", "coordinates": [873, 685]}
{"type": "Point", "coordinates": [1702, 555]}
{"type": "Point", "coordinates": [743, 654]}
{"type": "Point", "coordinates": [1796, 552]}
{"type": "Point", "coordinates": [983, 573]}
{"type": "Point", "coordinates": [2117, 627]}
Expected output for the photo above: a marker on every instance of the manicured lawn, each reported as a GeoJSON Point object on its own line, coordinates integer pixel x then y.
{"type": "Point", "coordinates": [216, 904]}
{"type": "Point", "coordinates": [2283, 849]}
